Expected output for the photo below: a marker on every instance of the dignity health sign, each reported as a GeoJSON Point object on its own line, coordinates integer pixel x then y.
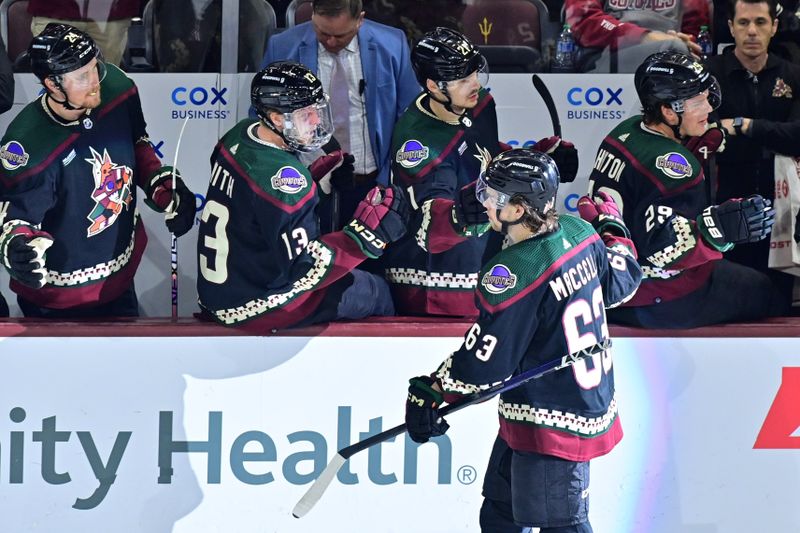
{"type": "Point", "coordinates": [225, 434]}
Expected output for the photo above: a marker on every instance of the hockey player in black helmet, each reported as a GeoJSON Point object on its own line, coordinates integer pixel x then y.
{"type": "Point", "coordinates": [72, 160]}
{"type": "Point", "coordinates": [652, 165]}
{"type": "Point", "coordinates": [441, 143]}
{"type": "Point", "coordinates": [542, 296]}
{"type": "Point", "coordinates": [263, 262]}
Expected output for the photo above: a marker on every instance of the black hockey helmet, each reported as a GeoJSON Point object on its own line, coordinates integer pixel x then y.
{"type": "Point", "coordinates": [671, 78]}
{"type": "Point", "coordinates": [520, 172]}
{"type": "Point", "coordinates": [287, 87]}
{"type": "Point", "coordinates": [60, 49]}
{"type": "Point", "coordinates": [444, 55]}
{"type": "Point", "coordinates": [284, 86]}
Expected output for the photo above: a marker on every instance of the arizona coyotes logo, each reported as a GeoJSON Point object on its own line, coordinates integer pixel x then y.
{"type": "Point", "coordinates": [782, 89]}
{"type": "Point", "coordinates": [112, 191]}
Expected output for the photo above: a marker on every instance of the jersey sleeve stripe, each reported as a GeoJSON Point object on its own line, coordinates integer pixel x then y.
{"type": "Point", "coordinates": [442, 156]}
{"type": "Point", "coordinates": [543, 277]}
{"type": "Point", "coordinates": [116, 101]}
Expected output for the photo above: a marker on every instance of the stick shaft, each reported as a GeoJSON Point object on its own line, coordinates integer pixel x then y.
{"type": "Point", "coordinates": [173, 250]}
{"type": "Point", "coordinates": [544, 92]}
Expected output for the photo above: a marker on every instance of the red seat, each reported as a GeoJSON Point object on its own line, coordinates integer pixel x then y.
{"type": "Point", "coordinates": [16, 27]}
{"type": "Point", "coordinates": [297, 12]}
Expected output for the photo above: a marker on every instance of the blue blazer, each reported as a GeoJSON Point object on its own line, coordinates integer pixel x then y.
{"type": "Point", "coordinates": [386, 63]}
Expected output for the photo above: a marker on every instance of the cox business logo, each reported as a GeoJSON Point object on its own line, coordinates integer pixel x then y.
{"type": "Point", "coordinates": [297, 458]}
{"type": "Point", "coordinates": [199, 103]}
{"type": "Point", "coordinates": [590, 100]}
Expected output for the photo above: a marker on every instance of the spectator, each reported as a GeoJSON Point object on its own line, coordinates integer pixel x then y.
{"type": "Point", "coordinates": [263, 262]}
{"type": "Point", "coordinates": [785, 42]}
{"type": "Point", "coordinates": [72, 238]}
{"type": "Point", "coordinates": [377, 83]}
{"type": "Point", "coordinates": [659, 185]}
{"type": "Point", "coordinates": [617, 35]}
{"type": "Point", "coordinates": [761, 113]}
{"type": "Point", "coordinates": [107, 21]}
{"type": "Point", "coordinates": [6, 101]}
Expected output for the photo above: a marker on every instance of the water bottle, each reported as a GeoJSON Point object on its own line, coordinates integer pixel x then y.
{"type": "Point", "coordinates": [704, 41]}
{"type": "Point", "coordinates": [564, 61]}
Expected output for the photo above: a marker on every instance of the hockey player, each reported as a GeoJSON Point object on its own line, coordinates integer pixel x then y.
{"type": "Point", "coordinates": [262, 261]}
{"type": "Point", "coordinates": [660, 187]}
{"type": "Point", "coordinates": [72, 238]}
{"type": "Point", "coordinates": [541, 297]}
{"type": "Point", "coordinates": [439, 145]}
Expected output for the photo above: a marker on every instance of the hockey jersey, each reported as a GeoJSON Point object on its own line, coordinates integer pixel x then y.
{"type": "Point", "coordinates": [261, 261]}
{"type": "Point", "coordinates": [77, 181]}
{"type": "Point", "coordinates": [540, 299]}
{"type": "Point", "coordinates": [431, 274]}
{"type": "Point", "coordinates": [659, 186]}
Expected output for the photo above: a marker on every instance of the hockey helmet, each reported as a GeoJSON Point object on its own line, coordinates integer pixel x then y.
{"type": "Point", "coordinates": [294, 91]}
{"type": "Point", "coordinates": [445, 55]}
{"type": "Point", "coordinates": [520, 172]}
{"type": "Point", "coordinates": [60, 49]}
{"type": "Point", "coordinates": [671, 78]}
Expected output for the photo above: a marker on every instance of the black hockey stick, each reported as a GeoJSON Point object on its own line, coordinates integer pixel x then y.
{"type": "Point", "coordinates": [544, 92]}
{"type": "Point", "coordinates": [315, 492]}
{"type": "Point", "coordinates": [173, 250]}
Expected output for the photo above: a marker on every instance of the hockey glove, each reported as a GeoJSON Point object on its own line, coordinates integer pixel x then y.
{"type": "Point", "coordinates": [380, 218]}
{"type": "Point", "coordinates": [797, 227]}
{"type": "Point", "coordinates": [736, 221]}
{"type": "Point", "coordinates": [179, 208]}
{"type": "Point", "coordinates": [469, 217]}
{"type": "Point", "coordinates": [422, 410]}
{"type": "Point", "coordinates": [563, 153]}
{"type": "Point", "coordinates": [604, 216]}
{"type": "Point", "coordinates": [707, 144]}
{"type": "Point", "coordinates": [24, 257]}
{"type": "Point", "coordinates": [333, 171]}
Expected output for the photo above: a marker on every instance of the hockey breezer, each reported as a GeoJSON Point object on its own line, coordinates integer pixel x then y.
{"type": "Point", "coordinates": [317, 489]}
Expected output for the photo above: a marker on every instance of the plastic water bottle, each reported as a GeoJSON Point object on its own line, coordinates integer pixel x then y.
{"type": "Point", "coordinates": [704, 41]}
{"type": "Point", "coordinates": [564, 61]}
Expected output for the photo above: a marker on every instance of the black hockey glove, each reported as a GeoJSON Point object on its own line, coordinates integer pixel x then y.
{"type": "Point", "coordinates": [469, 217]}
{"type": "Point", "coordinates": [333, 171]}
{"type": "Point", "coordinates": [737, 221]}
{"type": "Point", "coordinates": [422, 410]}
{"type": "Point", "coordinates": [180, 213]}
{"type": "Point", "coordinates": [563, 153]}
{"type": "Point", "coordinates": [24, 257]}
{"type": "Point", "coordinates": [797, 227]}
{"type": "Point", "coordinates": [604, 216]}
{"type": "Point", "coordinates": [380, 218]}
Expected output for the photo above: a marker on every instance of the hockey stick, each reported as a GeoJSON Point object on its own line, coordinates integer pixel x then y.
{"type": "Point", "coordinates": [173, 250]}
{"type": "Point", "coordinates": [315, 492]}
{"type": "Point", "coordinates": [544, 92]}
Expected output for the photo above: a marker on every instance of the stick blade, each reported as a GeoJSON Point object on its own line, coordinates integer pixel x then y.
{"type": "Point", "coordinates": [317, 489]}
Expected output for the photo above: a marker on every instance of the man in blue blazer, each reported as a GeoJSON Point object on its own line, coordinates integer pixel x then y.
{"type": "Point", "coordinates": [380, 77]}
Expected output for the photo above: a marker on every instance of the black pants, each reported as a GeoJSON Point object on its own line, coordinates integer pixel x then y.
{"type": "Point", "coordinates": [734, 293]}
{"type": "Point", "coordinates": [126, 305]}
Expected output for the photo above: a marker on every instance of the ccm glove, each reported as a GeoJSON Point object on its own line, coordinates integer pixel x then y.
{"type": "Point", "coordinates": [469, 217]}
{"type": "Point", "coordinates": [24, 257]}
{"type": "Point", "coordinates": [736, 221]}
{"type": "Point", "coordinates": [422, 410]}
{"type": "Point", "coordinates": [380, 218]}
{"type": "Point", "coordinates": [604, 216]}
{"type": "Point", "coordinates": [563, 153]}
{"type": "Point", "coordinates": [707, 144]}
{"type": "Point", "coordinates": [179, 207]}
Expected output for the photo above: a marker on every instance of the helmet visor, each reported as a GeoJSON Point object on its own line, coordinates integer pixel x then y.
{"type": "Point", "coordinates": [86, 77]}
{"type": "Point", "coordinates": [488, 197]}
{"type": "Point", "coordinates": [481, 74]}
{"type": "Point", "coordinates": [308, 128]}
{"type": "Point", "coordinates": [713, 97]}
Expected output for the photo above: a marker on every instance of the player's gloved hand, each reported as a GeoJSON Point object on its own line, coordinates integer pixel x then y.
{"type": "Point", "coordinates": [468, 216]}
{"type": "Point", "coordinates": [797, 227]}
{"type": "Point", "coordinates": [563, 153]}
{"type": "Point", "coordinates": [333, 171]}
{"type": "Point", "coordinates": [737, 221]}
{"type": "Point", "coordinates": [24, 257]}
{"type": "Point", "coordinates": [179, 208]}
{"type": "Point", "coordinates": [504, 147]}
{"type": "Point", "coordinates": [380, 218]}
{"type": "Point", "coordinates": [422, 410]}
{"type": "Point", "coordinates": [603, 213]}
{"type": "Point", "coordinates": [707, 144]}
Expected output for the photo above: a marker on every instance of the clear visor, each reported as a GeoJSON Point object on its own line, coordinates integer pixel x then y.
{"type": "Point", "coordinates": [710, 99]}
{"type": "Point", "coordinates": [87, 76]}
{"type": "Point", "coordinates": [308, 128]}
{"type": "Point", "coordinates": [481, 76]}
{"type": "Point", "coordinates": [488, 197]}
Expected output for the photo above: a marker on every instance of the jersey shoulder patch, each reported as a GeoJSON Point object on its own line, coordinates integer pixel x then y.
{"type": "Point", "coordinates": [419, 139]}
